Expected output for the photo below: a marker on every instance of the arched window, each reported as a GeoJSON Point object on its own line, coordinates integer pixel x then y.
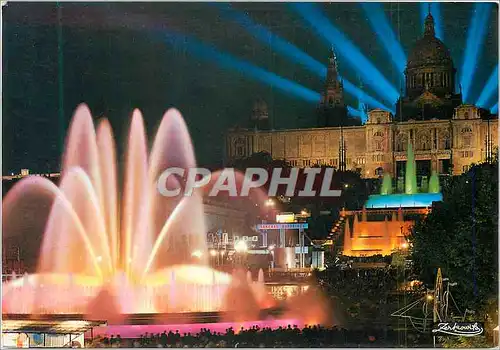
{"type": "Point", "coordinates": [240, 148]}
{"type": "Point", "coordinates": [401, 143]}
{"type": "Point", "coordinates": [466, 136]}
{"type": "Point", "coordinates": [424, 143]}
{"type": "Point", "coordinates": [466, 115]}
{"type": "Point", "coordinates": [379, 171]}
{"type": "Point", "coordinates": [379, 120]}
{"type": "Point", "coordinates": [378, 145]}
{"type": "Point", "coordinates": [467, 140]}
{"type": "Point", "coordinates": [445, 141]}
{"type": "Point", "coordinates": [330, 100]}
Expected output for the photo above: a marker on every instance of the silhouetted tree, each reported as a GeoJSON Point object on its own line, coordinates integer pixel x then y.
{"type": "Point", "coordinates": [460, 236]}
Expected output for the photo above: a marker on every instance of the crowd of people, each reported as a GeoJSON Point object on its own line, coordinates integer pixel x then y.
{"type": "Point", "coordinates": [291, 336]}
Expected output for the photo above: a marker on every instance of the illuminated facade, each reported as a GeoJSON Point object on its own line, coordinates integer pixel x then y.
{"type": "Point", "coordinates": [447, 136]}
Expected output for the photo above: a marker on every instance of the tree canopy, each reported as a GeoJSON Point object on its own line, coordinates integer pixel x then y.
{"type": "Point", "coordinates": [460, 236]}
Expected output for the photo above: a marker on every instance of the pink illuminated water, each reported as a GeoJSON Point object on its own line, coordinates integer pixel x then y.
{"type": "Point", "coordinates": [109, 249]}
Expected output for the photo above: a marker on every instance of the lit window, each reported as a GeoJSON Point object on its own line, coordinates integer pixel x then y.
{"type": "Point", "coordinates": [467, 140]}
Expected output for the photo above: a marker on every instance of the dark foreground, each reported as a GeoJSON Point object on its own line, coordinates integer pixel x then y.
{"type": "Point", "coordinates": [291, 336]}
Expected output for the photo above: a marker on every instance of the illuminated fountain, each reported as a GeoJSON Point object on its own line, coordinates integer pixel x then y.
{"type": "Point", "coordinates": [412, 198]}
{"type": "Point", "coordinates": [434, 186]}
{"type": "Point", "coordinates": [106, 253]}
{"type": "Point", "coordinates": [385, 232]}
{"type": "Point", "coordinates": [386, 185]}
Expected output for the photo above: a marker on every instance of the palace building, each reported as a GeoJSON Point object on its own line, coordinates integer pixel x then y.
{"type": "Point", "coordinates": [447, 136]}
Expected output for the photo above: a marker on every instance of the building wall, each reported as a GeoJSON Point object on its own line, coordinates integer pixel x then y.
{"type": "Point", "coordinates": [376, 146]}
{"type": "Point", "coordinates": [220, 216]}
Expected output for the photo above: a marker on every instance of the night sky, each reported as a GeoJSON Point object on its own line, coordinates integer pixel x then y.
{"type": "Point", "coordinates": [115, 59]}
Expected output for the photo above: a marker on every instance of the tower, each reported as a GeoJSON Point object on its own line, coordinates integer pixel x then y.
{"type": "Point", "coordinates": [333, 95]}
{"type": "Point", "coordinates": [332, 110]}
{"type": "Point", "coordinates": [260, 115]}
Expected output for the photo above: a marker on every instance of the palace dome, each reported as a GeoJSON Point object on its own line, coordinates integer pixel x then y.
{"type": "Point", "coordinates": [428, 51]}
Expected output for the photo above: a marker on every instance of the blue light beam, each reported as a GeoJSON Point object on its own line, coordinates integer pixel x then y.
{"type": "Point", "coordinates": [494, 109]}
{"type": "Point", "coordinates": [362, 109]}
{"type": "Point", "coordinates": [210, 53]}
{"type": "Point", "coordinates": [265, 36]}
{"type": "Point", "coordinates": [385, 34]}
{"type": "Point", "coordinates": [361, 95]}
{"type": "Point", "coordinates": [292, 52]}
{"type": "Point", "coordinates": [489, 89]}
{"type": "Point", "coordinates": [368, 72]}
{"type": "Point", "coordinates": [355, 113]}
{"type": "Point", "coordinates": [475, 38]}
{"type": "Point", "coordinates": [436, 14]}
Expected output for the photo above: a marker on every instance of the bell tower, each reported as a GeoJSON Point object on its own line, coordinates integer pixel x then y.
{"type": "Point", "coordinates": [332, 110]}
{"type": "Point", "coordinates": [260, 115]}
{"type": "Point", "coordinates": [333, 95]}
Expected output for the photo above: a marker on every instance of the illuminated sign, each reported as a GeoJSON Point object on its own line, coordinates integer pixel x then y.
{"type": "Point", "coordinates": [285, 218]}
{"type": "Point", "coordinates": [304, 250]}
{"type": "Point", "coordinates": [282, 226]}
{"type": "Point", "coordinates": [247, 238]}
{"type": "Point", "coordinates": [258, 251]}
{"type": "Point", "coordinates": [464, 329]}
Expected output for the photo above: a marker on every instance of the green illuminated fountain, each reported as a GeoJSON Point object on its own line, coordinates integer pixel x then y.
{"type": "Point", "coordinates": [424, 185]}
{"type": "Point", "coordinates": [386, 185]}
{"type": "Point", "coordinates": [411, 172]}
{"type": "Point", "coordinates": [410, 198]}
{"type": "Point", "coordinates": [434, 186]}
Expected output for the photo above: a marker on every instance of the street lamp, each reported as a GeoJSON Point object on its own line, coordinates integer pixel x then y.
{"type": "Point", "coordinates": [241, 246]}
{"type": "Point", "coordinates": [197, 254]}
{"type": "Point", "coordinates": [269, 202]}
